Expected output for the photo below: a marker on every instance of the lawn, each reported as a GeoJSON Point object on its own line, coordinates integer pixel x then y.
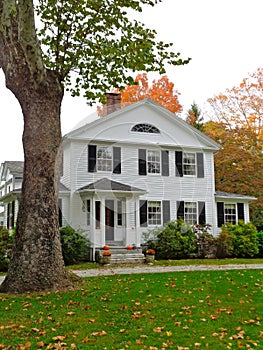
{"type": "Point", "coordinates": [182, 310]}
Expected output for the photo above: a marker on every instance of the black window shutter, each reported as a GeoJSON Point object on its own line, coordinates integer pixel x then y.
{"type": "Point", "coordinates": [220, 214]}
{"type": "Point", "coordinates": [143, 213]}
{"type": "Point", "coordinates": [142, 161]}
{"type": "Point", "coordinates": [201, 213]}
{"type": "Point", "coordinates": [180, 209]}
{"type": "Point", "coordinates": [166, 212]}
{"type": "Point", "coordinates": [200, 164]}
{"type": "Point", "coordinates": [179, 163]}
{"type": "Point", "coordinates": [240, 211]}
{"type": "Point", "coordinates": [60, 212]}
{"type": "Point", "coordinates": [165, 163]}
{"type": "Point", "coordinates": [116, 160]}
{"type": "Point", "coordinates": [8, 216]}
{"type": "Point", "coordinates": [92, 155]}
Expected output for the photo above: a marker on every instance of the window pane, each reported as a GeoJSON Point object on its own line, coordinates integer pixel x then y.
{"type": "Point", "coordinates": [189, 164]}
{"type": "Point", "coordinates": [230, 213]}
{"type": "Point", "coordinates": [154, 213]}
{"type": "Point", "coordinates": [190, 213]}
{"type": "Point", "coordinates": [104, 158]}
{"type": "Point", "coordinates": [153, 162]}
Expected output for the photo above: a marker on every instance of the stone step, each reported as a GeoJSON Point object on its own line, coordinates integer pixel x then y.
{"type": "Point", "coordinates": [122, 256]}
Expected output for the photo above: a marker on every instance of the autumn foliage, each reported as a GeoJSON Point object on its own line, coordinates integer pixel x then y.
{"type": "Point", "coordinates": [161, 91]}
{"type": "Point", "coordinates": [237, 126]}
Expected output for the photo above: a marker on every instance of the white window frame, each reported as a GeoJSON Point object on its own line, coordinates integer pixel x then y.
{"type": "Point", "coordinates": [189, 164]}
{"type": "Point", "coordinates": [105, 159]}
{"type": "Point", "coordinates": [153, 162]}
{"type": "Point", "coordinates": [191, 213]}
{"type": "Point", "coordinates": [230, 213]}
{"type": "Point", "coordinates": [154, 213]}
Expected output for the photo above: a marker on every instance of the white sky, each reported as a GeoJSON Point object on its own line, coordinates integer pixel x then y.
{"type": "Point", "coordinates": [223, 38]}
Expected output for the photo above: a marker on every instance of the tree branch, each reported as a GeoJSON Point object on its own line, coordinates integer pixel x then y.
{"type": "Point", "coordinates": [28, 40]}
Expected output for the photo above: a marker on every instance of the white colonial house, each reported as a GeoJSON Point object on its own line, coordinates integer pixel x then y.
{"type": "Point", "coordinates": [134, 169]}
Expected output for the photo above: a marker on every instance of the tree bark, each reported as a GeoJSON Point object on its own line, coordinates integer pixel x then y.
{"type": "Point", "coordinates": [36, 263]}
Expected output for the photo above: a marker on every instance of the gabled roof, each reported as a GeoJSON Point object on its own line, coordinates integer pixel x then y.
{"type": "Point", "coordinates": [15, 168]}
{"type": "Point", "coordinates": [220, 194]}
{"type": "Point", "coordinates": [177, 121]}
{"type": "Point", "coordinates": [110, 185]}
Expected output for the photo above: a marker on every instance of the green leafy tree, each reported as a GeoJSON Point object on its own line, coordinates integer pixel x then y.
{"type": "Point", "coordinates": [84, 46]}
{"type": "Point", "coordinates": [195, 118]}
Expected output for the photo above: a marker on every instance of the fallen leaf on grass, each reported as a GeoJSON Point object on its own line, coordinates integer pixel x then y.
{"type": "Point", "coordinates": [70, 313]}
{"type": "Point", "coordinates": [59, 337]}
{"type": "Point", "coordinates": [99, 334]}
{"type": "Point", "coordinates": [158, 329]}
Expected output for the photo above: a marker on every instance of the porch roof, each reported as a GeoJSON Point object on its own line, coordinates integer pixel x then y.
{"type": "Point", "coordinates": [219, 194]}
{"type": "Point", "coordinates": [107, 185]}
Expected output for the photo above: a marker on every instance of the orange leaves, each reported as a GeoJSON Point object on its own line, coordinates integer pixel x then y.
{"type": "Point", "coordinates": [161, 91]}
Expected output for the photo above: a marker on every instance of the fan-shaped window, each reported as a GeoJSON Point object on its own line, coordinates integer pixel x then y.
{"type": "Point", "coordinates": [146, 128]}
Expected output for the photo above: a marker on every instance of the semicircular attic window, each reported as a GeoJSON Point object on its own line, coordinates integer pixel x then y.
{"type": "Point", "coordinates": [145, 128]}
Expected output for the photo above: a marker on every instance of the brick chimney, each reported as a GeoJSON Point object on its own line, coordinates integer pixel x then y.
{"type": "Point", "coordinates": [113, 102]}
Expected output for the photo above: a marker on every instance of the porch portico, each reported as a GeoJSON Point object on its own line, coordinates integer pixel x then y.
{"type": "Point", "coordinates": [112, 213]}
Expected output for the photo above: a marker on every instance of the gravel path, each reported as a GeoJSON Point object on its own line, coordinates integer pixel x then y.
{"type": "Point", "coordinates": [107, 271]}
{"type": "Point", "coordinates": [110, 270]}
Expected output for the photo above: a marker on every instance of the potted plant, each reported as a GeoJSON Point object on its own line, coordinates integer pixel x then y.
{"type": "Point", "coordinates": [150, 256]}
{"type": "Point", "coordinates": [106, 257]}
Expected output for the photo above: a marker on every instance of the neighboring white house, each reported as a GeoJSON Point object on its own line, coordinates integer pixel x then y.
{"type": "Point", "coordinates": [132, 170]}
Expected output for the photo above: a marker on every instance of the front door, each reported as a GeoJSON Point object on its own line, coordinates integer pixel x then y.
{"type": "Point", "coordinates": [109, 220]}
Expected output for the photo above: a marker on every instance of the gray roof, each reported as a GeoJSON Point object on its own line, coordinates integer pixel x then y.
{"type": "Point", "coordinates": [229, 195]}
{"type": "Point", "coordinates": [63, 188]}
{"type": "Point", "coordinates": [14, 166]}
{"type": "Point", "coordinates": [110, 185]}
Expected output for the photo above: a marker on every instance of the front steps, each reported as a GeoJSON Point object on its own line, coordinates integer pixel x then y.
{"type": "Point", "coordinates": [120, 255]}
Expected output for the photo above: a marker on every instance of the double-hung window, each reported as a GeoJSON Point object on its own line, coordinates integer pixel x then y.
{"type": "Point", "coordinates": [191, 212]}
{"type": "Point", "coordinates": [230, 213]}
{"type": "Point", "coordinates": [104, 158]}
{"type": "Point", "coordinates": [154, 213]}
{"type": "Point", "coordinates": [153, 162]}
{"type": "Point", "coordinates": [189, 164]}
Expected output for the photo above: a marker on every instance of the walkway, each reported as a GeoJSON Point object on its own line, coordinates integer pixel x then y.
{"type": "Point", "coordinates": [137, 269]}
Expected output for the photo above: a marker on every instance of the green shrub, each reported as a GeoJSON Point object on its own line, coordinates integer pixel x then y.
{"type": "Point", "coordinates": [240, 240]}
{"type": "Point", "coordinates": [74, 246]}
{"type": "Point", "coordinates": [205, 242]}
{"type": "Point", "coordinates": [225, 246]}
{"type": "Point", "coordinates": [175, 241]}
{"type": "Point", "coordinates": [6, 243]}
{"type": "Point", "coordinates": [260, 244]}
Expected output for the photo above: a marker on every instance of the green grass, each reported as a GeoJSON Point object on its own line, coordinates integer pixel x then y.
{"type": "Point", "coordinates": [183, 310]}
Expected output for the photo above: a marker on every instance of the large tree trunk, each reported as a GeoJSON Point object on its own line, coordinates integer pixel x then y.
{"type": "Point", "coordinates": [37, 262]}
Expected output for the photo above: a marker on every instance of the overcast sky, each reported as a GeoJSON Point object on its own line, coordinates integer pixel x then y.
{"type": "Point", "coordinates": [223, 38]}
